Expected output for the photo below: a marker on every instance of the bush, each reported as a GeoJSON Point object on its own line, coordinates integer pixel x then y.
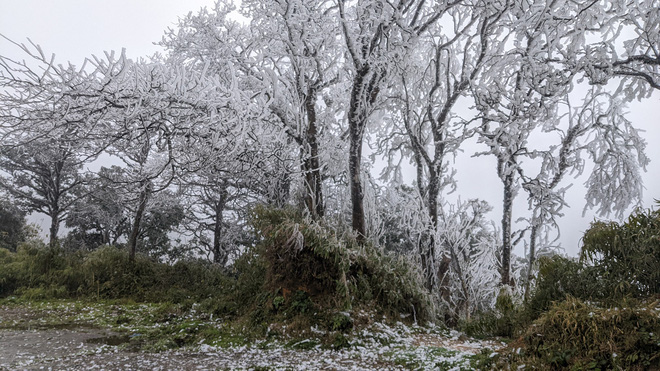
{"type": "Point", "coordinates": [40, 272]}
{"type": "Point", "coordinates": [617, 261]}
{"type": "Point", "coordinates": [561, 277]}
{"type": "Point", "coordinates": [579, 336]}
{"type": "Point", "coordinates": [504, 321]}
{"type": "Point", "coordinates": [626, 255]}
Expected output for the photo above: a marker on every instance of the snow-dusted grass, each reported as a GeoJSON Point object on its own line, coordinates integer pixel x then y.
{"type": "Point", "coordinates": [170, 336]}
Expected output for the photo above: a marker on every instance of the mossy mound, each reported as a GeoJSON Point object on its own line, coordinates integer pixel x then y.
{"type": "Point", "coordinates": [579, 336]}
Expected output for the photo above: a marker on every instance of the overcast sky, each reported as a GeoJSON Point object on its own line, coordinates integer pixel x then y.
{"type": "Point", "coordinates": [75, 29]}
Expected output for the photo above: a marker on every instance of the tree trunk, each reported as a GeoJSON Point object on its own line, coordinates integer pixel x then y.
{"type": "Point", "coordinates": [54, 226]}
{"type": "Point", "coordinates": [532, 257]}
{"type": "Point", "coordinates": [429, 262]}
{"type": "Point", "coordinates": [357, 193]}
{"type": "Point", "coordinates": [219, 255]}
{"type": "Point", "coordinates": [135, 231]}
{"type": "Point", "coordinates": [427, 255]}
{"type": "Point", "coordinates": [506, 228]}
{"type": "Point", "coordinates": [311, 163]}
{"type": "Point", "coordinates": [357, 121]}
{"type": "Point", "coordinates": [364, 92]}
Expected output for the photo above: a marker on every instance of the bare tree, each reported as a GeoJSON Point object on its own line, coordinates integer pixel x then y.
{"type": "Point", "coordinates": [42, 152]}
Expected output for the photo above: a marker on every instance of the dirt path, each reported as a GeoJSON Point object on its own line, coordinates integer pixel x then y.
{"type": "Point", "coordinates": [78, 349]}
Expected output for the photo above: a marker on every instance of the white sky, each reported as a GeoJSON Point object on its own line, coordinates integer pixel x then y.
{"type": "Point", "coordinates": [75, 29]}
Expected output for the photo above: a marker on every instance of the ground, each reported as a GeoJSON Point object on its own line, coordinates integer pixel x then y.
{"type": "Point", "coordinates": [82, 336]}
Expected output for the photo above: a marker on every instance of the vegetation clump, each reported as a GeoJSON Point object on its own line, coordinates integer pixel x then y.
{"type": "Point", "coordinates": [599, 312]}
{"type": "Point", "coordinates": [336, 273]}
{"type": "Point", "coordinates": [579, 336]}
{"type": "Point", "coordinates": [37, 271]}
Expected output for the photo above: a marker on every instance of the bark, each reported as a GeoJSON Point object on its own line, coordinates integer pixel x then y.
{"type": "Point", "coordinates": [426, 253]}
{"type": "Point", "coordinates": [357, 193]}
{"type": "Point", "coordinates": [428, 261]}
{"type": "Point", "coordinates": [364, 92]}
{"type": "Point", "coordinates": [532, 258]}
{"type": "Point", "coordinates": [311, 164]}
{"type": "Point", "coordinates": [357, 121]}
{"type": "Point", "coordinates": [54, 226]}
{"type": "Point", "coordinates": [135, 230]}
{"type": "Point", "coordinates": [219, 255]}
{"type": "Point", "coordinates": [54, 181]}
{"type": "Point", "coordinates": [508, 181]}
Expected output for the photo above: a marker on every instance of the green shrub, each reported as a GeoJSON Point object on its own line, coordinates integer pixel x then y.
{"type": "Point", "coordinates": [504, 321]}
{"type": "Point", "coordinates": [626, 255]}
{"type": "Point", "coordinates": [560, 277]}
{"type": "Point", "coordinates": [617, 261]}
{"type": "Point", "coordinates": [40, 272]}
{"type": "Point", "coordinates": [341, 322]}
{"type": "Point", "coordinates": [579, 336]}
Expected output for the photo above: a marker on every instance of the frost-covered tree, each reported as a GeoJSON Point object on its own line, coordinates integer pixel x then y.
{"type": "Point", "coordinates": [100, 217]}
{"type": "Point", "coordinates": [157, 113]}
{"type": "Point", "coordinates": [378, 36]}
{"type": "Point", "coordinates": [594, 131]}
{"type": "Point", "coordinates": [427, 94]}
{"type": "Point", "coordinates": [41, 117]}
{"type": "Point", "coordinates": [625, 45]}
{"type": "Point", "coordinates": [516, 95]}
{"type": "Point", "coordinates": [289, 53]}
{"type": "Point", "coordinates": [472, 242]}
{"type": "Point", "coordinates": [554, 44]}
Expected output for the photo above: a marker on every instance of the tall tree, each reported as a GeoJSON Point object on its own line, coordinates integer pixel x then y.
{"type": "Point", "coordinates": [41, 114]}
{"type": "Point", "coordinates": [430, 86]}
{"type": "Point", "coordinates": [378, 35]}
{"type": "Point", "coordinates": [44, 176]}
{"type": "Point", "coordinates": [289, 52]}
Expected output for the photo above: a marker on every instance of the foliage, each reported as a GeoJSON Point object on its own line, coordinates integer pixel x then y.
{"type": "Point", "coordinates": [627, 256]}
{"type": "Point", "coordinates": [37, 271]}
{"type": "Point", "coordinates": [561, 277]}
{"type": "Point", "coordinates": [617, 261]}
{"type": "Point", "coordinates": [12, 226]}
{"type": "Point", "coordinates": [579, 336]}
{"type": "Point", "coordinates": [503, 321]}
